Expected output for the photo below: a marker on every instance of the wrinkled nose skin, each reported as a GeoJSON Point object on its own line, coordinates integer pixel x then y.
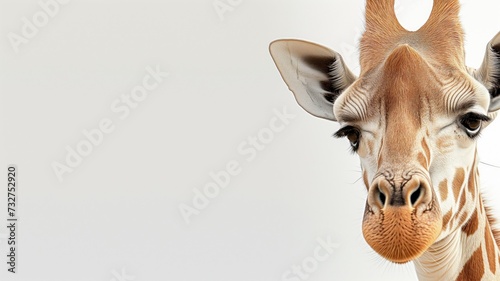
{"type": "Point", "coordinates": [402, 219]}
{"type": "Point", "coordinates": [411, 193]}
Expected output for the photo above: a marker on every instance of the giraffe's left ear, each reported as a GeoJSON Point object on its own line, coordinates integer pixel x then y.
{"type": "Point", "coordinates": [489, 72]}
{"type": "Point", "coordinates": [315, 74]}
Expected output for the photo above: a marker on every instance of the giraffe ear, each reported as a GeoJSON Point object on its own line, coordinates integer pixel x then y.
{"type": "Point", "coordinates": [489, 72]}
{"type": "Point", "coordinates": [315, 74]}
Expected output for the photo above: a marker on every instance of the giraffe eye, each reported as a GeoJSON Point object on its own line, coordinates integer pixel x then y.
{"type": "Point", "coordinates": [353, 138]}
{"type": "Point", "coordinates": [472, 123]}
{"type": "Point", "coordinates": [352, 135]}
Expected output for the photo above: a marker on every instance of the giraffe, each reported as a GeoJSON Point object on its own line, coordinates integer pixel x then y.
{"type": "Point", "coordinates": [412, 116]}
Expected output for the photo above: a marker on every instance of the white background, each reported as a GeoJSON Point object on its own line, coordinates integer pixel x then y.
{"type": "Point", "coordinates": [116, 215]}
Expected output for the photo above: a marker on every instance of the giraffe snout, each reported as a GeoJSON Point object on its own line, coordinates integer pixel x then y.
{"type": "Point", "coordinates": [401, 220]}
{"type": "Point", "coordinates": [411, 193]}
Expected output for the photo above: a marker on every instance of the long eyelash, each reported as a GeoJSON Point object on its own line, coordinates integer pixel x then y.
{"type": "Point", "coordinates": [343, 132]}
{"type": "Point", "coordinates": [476, 116]}
{"type": "Point", "coordinates": [352, 150]}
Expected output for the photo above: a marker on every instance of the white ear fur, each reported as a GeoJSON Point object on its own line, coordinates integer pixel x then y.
{"type": "Point", "coordinates": [315, 74]}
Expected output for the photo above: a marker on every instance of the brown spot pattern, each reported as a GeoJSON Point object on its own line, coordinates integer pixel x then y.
{"type": "Point", "coordinates": [471, 226]}
{"type": "Point", "coordinates": [492, 221]}
{"type": "Point", "coordinates": [490, 248]}
{"type": "Point", "coordinates": [462, 200]}
{"type": "Point", "coordinates": [471, 184]}
{"type": "Point", "coordinates": [463, 217]}
{"type": "Point", "coordinates": [446, 219]}
{"type": "Point", "coordinates": [473, 268]}
{"type": "Point", "coordinates": [444, 144]}
{"type": "Point", "coordinates": [443, 189]}
{"type": "Point", "coordinates": [458, 181]}
{"type": "Point", "coordinates": [422, 161]}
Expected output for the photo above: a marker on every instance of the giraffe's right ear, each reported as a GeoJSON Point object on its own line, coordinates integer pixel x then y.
{"type": "Point", "coordinates": [315, 74]}
{"type": "Point", "coordinates": [489, 72]}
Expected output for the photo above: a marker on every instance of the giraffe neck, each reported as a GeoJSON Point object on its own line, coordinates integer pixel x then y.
{"type": "Point", "coordinates": [468, 253]}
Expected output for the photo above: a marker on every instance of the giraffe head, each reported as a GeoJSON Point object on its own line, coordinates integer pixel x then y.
{"type": "Point", "coordinates": [412, 116]}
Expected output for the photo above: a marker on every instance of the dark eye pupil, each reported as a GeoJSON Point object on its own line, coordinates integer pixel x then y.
{"type": "Point", "coordinates": [472, 124]}
{"type": "Point", "coordinates": [353, 138]}
{"type": "Point", "coordinates": [352, 134]}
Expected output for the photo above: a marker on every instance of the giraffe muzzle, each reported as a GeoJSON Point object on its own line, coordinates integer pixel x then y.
{"type": "Point", "coordinates": [402, 219]}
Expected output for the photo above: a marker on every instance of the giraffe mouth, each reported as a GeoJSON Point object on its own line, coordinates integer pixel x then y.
{"type": "Point", "coordinates": [401, 234]}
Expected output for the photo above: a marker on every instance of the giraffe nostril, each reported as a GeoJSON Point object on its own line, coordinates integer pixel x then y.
{"type": "Point", "coordinates": [381, 197]}
{"type": "Point", "coordinates": [415, 195]}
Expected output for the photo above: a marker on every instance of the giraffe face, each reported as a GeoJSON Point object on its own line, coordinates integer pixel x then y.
{"type": "Point", "coordinates": [412, 116]}
{"type": "Point", "coordinates": [415, 136]}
